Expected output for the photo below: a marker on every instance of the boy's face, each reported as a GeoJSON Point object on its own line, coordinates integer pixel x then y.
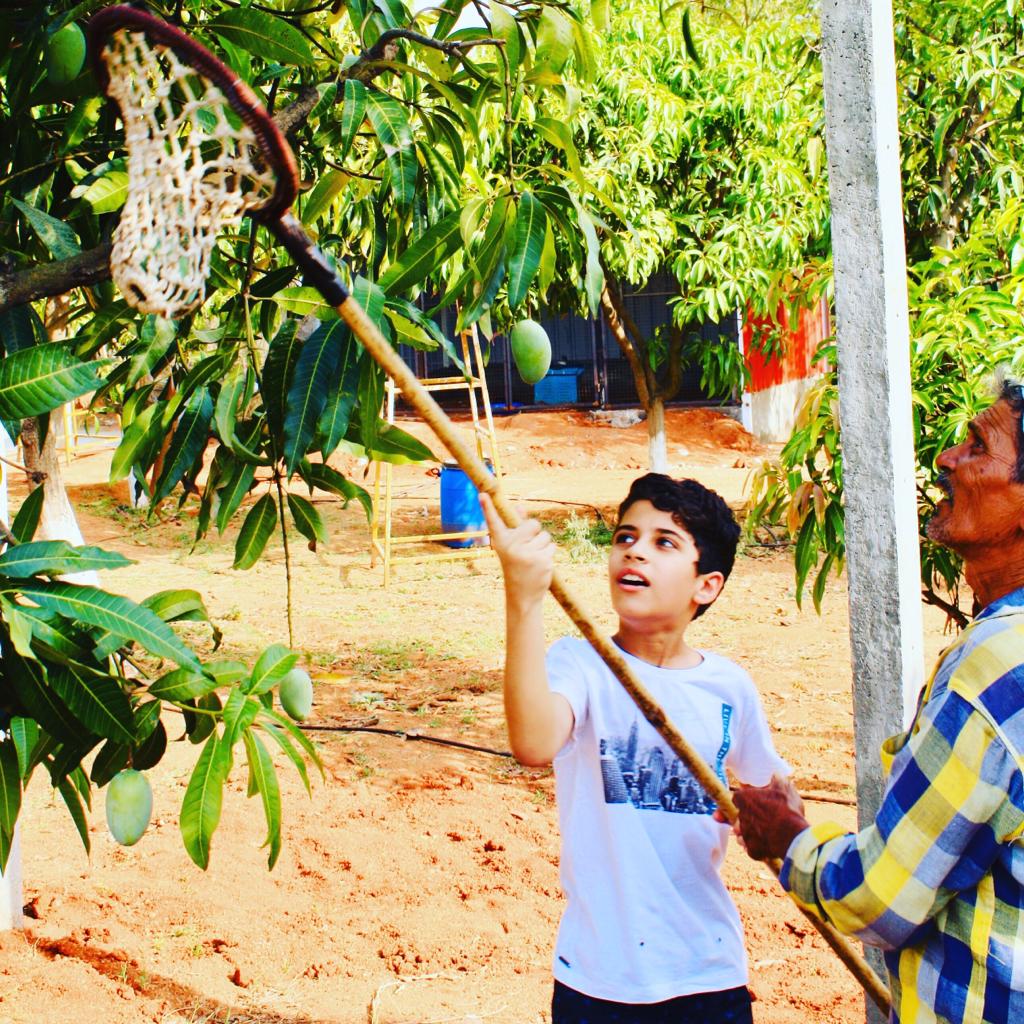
{"type": "Point", "coordinates": [652, 570]}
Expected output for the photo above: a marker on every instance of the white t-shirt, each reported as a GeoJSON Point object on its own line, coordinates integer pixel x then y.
{"type": "Point", "coordinates": [647, 916]}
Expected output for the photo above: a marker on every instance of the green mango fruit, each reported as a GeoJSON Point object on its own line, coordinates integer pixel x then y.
{"type": "Point", "coordinates": [129, 806]}
{"type": "Point", "coordinates": [531, 350]}
{"type": "Point", "coordinates": [65, 54]}
{"type": "Point", "coordinates": [296, 694]}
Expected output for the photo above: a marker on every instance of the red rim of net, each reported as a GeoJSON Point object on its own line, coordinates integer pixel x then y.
{"type": "Point", "coordinates": [243, 100]}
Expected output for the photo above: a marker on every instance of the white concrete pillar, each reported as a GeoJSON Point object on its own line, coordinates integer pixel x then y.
{"type": "Point", "coordinates": [874, 379]}
{"type": "Point", "coordinates": [10, 881]}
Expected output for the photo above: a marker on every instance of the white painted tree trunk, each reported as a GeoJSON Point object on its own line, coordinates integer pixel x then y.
{"type": "Point", "coordinates": [58, 520]}
{"type": "Point", "coordinates": [657, 446]}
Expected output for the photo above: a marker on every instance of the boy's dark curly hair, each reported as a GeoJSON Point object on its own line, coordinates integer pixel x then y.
{"type": "Point", "coordinates": [699, 511]}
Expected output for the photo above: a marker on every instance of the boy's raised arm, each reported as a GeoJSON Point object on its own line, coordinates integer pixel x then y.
{"type": "Point", "coordinates": [539, 721]}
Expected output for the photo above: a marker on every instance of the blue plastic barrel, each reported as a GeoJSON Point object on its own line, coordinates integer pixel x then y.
{"type": "Point", "coordinates": [460, 507]}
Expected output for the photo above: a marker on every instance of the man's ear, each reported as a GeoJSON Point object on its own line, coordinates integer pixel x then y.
{"type": "Point", "coordinates": [709, 586]}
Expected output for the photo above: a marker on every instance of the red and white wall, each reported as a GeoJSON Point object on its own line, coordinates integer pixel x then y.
{"type": "Point", "coordinates": [778, 384]}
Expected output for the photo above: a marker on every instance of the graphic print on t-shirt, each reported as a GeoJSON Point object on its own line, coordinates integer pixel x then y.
{"type": "Point", "coordinates": [652, 778]}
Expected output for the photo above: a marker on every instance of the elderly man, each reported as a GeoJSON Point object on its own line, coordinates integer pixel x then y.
{"type": "Point", "coordinates": [937, 879]}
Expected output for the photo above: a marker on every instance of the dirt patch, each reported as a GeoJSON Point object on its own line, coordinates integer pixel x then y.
{"type": "Point", "coordinates": [420, 881]}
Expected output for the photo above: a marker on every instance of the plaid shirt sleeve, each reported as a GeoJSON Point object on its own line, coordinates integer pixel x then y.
{"type": "Point", "coordinates": [946, 810]}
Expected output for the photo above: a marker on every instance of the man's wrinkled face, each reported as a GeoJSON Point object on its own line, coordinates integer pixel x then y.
{"type": "Point", "coordinates": [984, 503]}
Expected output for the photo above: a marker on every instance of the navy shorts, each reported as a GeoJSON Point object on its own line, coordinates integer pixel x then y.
{"type": "Point", "coordinates": [731, 1006]}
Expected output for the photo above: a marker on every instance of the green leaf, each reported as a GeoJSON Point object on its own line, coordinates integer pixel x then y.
{"type": "Point", "coordinates": [560, 134]}
{"type": "Point", "coordinates": [10, 790]}
{"type": "Point", "coordinates": [58, 237]}
{"type": "Point", "coordinates": [554, 41]}
{"type": "Point", "coordinates": [315, 371]}
{"type": "Point", "coordinates": [505, 27]}
{"type": "Point", "coordinates": [20, 327]}
{"type": "Point", "coordinates": [278, 369]}
{"type": "Point", "coordinates": [28, 680]}
{"type": "Point", "coordinates": [273, 281]}
{"type": "Point", "coordinates": [255, 532]}
{"type": "Point", "coordinates": [307, 519]}
{"type": "Point", "coordinates": [280, 737]}
{"type": "Point", "coordinates": [113, 613]}
{"type": "Point", "coordinates": [43, 377]}
{"type": "Point", "coordinates": [26, 522]}
{"type": "Point", "coordinates": [424, 256]}
{"type": "Point", "coordinates": [593, 281]}
{"type": "Point", "coordinates": [296, 733]}
{"type": "Point", "coordinates": [371, 400]}
{"type": "Point", "coordinates": [353, 112]}
{"type": "Point", "coordinates": [263, 35]}
{"type": "Point", "coordinates": [240, 712]}
{"type": "Point", "coordinates": [326, 478]}
{"type": "Point", "coordinates": [71, 797]}
{"type": "Point", "coordinates": [25, 734]}
{"type": "Point", "coordinates": [488, 288]}
{"type": "Point", "coordinates": [112, 758]}
{"type": "Point", "coordinates": [188, 443]}
{"type": "Point", "coordinates": [324, 192]}
{"type": "Point", "coordinates": [226, 672]}
{"type": "Point", "coordinates": [108, 192]}
{"type": "Point", "coordinates": [177, 606]}
{"type": "Point", "coordinates": [156, 336]}
{"type": "Point", "coordinates": [263, 780]}
{"type": "Point", "coordinates": [226, 410]}
{"type": "Point", "coordinates": [237, 486]}
{"type": "Point", "coordinates": [389, 121]}
{"type": "Point", "coordinates": [691, 48]}
{"type": "Point", "coordinates": [395, 135]}
{"type": "Point", "coordinates": [531, 227]}
{"type": "Point", "coordinates": [200, 809]}
{"type": "Point", "coordinates": [182, 684]}
{"type": "Point", "coordinates": [140, 437]}
{"type": "Point", "coordinates": [392, 444]}
{"type": "Point", "coordinates": [97, 700]}
{"type": "Point", "coordinates": [273, 664]}
{"type": "Point", "coordinates": [404, 168]}
{"type": "Point", "coordinates": [334, 420]}
{"type": "Point", "coordinates": [56, 558]}
{"type": "Point", "coordinates": [304, 301]}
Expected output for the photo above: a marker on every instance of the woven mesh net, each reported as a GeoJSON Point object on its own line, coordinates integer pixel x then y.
{"type": "Point", "coordinates": [193, 166]}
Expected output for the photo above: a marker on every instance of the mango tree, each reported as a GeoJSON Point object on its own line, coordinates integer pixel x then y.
{"type": "Point", "coordinates": [403, 125]}
{"type": "Point", "coordinates": [960, 88]}
{"type": "Point", "coordinates": [700, 139]}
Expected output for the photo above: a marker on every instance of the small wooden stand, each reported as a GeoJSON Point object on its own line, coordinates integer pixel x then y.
{"type": "Point", "coordinates": [382, 540]}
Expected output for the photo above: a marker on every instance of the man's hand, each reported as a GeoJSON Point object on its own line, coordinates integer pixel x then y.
{"type": "Point", "coordinates": [771, 817]}
{"type": "Point", "coordinates": [526, 553]}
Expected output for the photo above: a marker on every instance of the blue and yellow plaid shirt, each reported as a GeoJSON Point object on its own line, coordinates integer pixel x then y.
{"type": "Point", "coordinates": [937, 881]}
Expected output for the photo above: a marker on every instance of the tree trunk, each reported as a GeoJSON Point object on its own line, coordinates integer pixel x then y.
{"type": "Point", "coordinates": [57, 521]}
{"type": "Point", "coordinates": [657, 447]}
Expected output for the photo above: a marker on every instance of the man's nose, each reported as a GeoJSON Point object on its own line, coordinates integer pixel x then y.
{"type": "Point", "coordinates": [947, 460]}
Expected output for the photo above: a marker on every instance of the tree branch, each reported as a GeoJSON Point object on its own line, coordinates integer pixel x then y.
{"type": "Point", "coordinates": [930, 597]}
{"type": "Point", "coordinates": [44, 280]}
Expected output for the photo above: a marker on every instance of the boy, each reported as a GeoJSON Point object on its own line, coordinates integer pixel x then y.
{"type": "Point", "coordinates": [649, 934]}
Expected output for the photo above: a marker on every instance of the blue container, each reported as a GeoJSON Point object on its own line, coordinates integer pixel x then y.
{"type": "Point", "coordinates": [460, 507]}
{"type": "Point", "coordinates": [559, 387]}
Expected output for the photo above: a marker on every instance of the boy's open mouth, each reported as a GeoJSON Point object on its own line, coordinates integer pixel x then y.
{"type": "Point", "coordinates": [632, 579]}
